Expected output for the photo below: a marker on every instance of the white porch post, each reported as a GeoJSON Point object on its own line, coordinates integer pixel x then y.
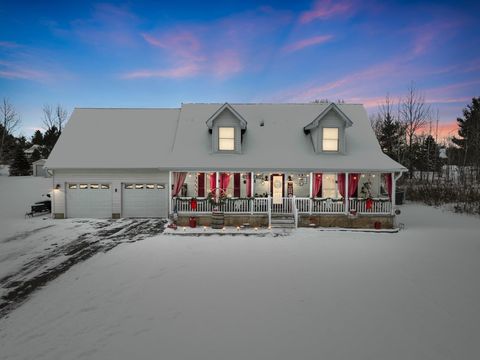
{"type": "Point", "coordinates": [310, 201]}
{"type": "Point", "coordinates": [394, 185]}
{"type": "Point", "coordinates": [346, 193]}
{"type": "Point", "coordinates": [170, 192]}
{"type": "Point", "coordinates": [217, 184]}
{"type": "Point", "coordinates": [252, 194]}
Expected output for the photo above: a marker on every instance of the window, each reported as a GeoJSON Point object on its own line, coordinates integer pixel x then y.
{"type": "Point", "coordinates": [330, 139]}
{"type": "Point", "coordinates": [329, 186]}
{"type": "Point", "coordinates": [161, 186]}
{"type": "Point", "coordinates": [94, 186]}
{"type": "Point", "coordinates": [72, 186]}
{"type": "Point", "coordinates": [150, 186]}
{"type": "Point", "coordinates": [128, 186]}
{"type": "Point", "coordinates": [226, 138]}
{"type": "Point", "coordinates": [138, 186]}
{"type": "Point", "coordinates": [105, 186]}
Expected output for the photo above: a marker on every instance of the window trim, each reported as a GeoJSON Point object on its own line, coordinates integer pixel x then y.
{"type": "Point", "coordinates": [226, 138]}
{"type": "Point", "coordinates": [330, 139]}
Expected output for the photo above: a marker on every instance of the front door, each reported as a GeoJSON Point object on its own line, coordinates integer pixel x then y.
{"type": "Point", "coordinates": [276, 188]}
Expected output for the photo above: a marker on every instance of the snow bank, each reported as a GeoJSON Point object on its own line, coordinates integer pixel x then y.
{"type": "Point", "coordinates": [311, 295]}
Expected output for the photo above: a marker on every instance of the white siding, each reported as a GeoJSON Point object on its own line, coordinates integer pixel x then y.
{"type": "Point", "coordinates": [115, 177]}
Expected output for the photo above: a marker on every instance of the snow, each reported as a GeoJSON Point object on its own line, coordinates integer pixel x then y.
{"type": "Point", "coordinates": [311, 295]}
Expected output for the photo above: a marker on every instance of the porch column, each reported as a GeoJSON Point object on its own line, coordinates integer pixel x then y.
{"type": "Point", "coordinates": [394, 185]}
{"type": "Point", "coordinates": [311, 184]}
{"type": "Point", "coordinates": [217, 184]}
{"type": "Point", "coordinates": [347, 205]}
{"type": "Point", "coordinates": [252, 181]}
{"type": "Point", "coordinates": [170, 192]}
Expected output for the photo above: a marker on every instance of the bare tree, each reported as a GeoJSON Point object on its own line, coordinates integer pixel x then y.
{"type": "Point", "coordinates": [54, 117]}
{"type": "Point", "coordinates": [414, 113]}
{"type": "Point", "coordinates": [9, 123]}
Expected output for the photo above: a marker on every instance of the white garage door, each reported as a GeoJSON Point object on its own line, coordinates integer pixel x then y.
{"type": "Point", "coordinates": [144, 200]}
{"type": "Point", "coordinates": [85, 200]}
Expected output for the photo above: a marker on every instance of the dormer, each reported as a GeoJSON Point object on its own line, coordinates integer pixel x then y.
{"type": "Point", "coordinates": [227, 127]}
{"type": "Point", "coordinates": [327, 130]}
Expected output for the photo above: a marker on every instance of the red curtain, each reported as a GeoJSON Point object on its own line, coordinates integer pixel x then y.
{"type": "Point", "coordinates": [178, 180]}
{"type": "Point", "coordinates": [213, 181]}
{"type": "Point", "coordinates": [224, 181]}
{"type": "Point", "coordinates": [201, 184]}
{"type": "Point", "coordinates": [249, 184]}
{"type": "Point", "coordinates": [353, 179]}
{"type": "Point", "coordinates": [341, 184]}
{"type": "Point", "coordinates": [388, 180]}
{"type": "Point", "coordinates": [317, 184]}
{"type": "Point", "coordinates": [236, 184]}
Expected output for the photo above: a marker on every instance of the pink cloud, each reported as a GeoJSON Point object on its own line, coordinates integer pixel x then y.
{"type": "Point", "coordinates": [11, 70]}
{"type": "Point", "coordinates": [173, 73]}
{"type": "Point", "coordinates": [226, 63]}
{"type": "Point", "coordinates": [324, 9]}
{"type": "Point", "coordinates": [301, 44]}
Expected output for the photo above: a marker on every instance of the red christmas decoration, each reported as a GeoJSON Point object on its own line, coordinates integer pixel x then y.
{"type": "Point", "coordinates": [193, 204]}
{"type": "Point", "coordinates": [369, 204]}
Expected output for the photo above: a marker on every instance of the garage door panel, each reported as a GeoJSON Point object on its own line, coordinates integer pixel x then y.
{"type": "Point", "coordinates": [83, 201]}
{"type": "Point", "coordinates": [144, 200]}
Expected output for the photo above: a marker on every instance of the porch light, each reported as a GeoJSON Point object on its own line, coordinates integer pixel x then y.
{"type": "Point", "coordinates": [184, 228]}
{"type": "Point", "coordinates": [373, 175]}
{"type": "Point", "coordinates": [204, 228]}
{"type": "Point", "coordinates": [189, 175]}
{"type": "Point", "coordinates": [256, 228]}
{"type": "Point", "coordinates": [238, 228]}
{"type": "Point", "coordinates": [266, 178]}
{"type": "Point", "coordinates": [57, 186]}
{"type": "Point", "coordinates": [363, 175]}
{"type": "Point", "coordinates": [289, 178]}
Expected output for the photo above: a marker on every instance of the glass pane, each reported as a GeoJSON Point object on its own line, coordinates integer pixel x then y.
{"type": "Point", "coordinates": [128, 186]}
{"type": "Point", "coordinates": [83, 186]}
{"type": "Point", "coordinates": [138, 186]}
{"type": "Point", "coordinates": [330, 145]}
{"type": "Point", "coordinates": [150, 186]}
{"type": "Point", "coordinates": [94, 186]}
{"type": "Point", "coordinates": [72, 186]}
{"type": "Point", "coordinates": [330, 133]}
{"type": "Point", "coordinates": [160, 186]}
{"type": "Point", "coordinates": [226, 132]}
{"type": "Point", "coordinates": [105, 186]}
{"type": "Point", "coordinates": [226, 144]}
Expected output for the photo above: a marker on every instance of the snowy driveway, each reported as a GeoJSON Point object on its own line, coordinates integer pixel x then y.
{"type": "Point", "coordinates": [58, 246]}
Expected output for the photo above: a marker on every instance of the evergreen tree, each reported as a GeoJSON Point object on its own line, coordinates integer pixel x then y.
{"type": "Point", "coordinates": [469, 133]}
{"type": "Point", "coordinates": [36, 155]}
{"type": "Point", "coordinates": [430, 152]}
{"type": "Point", "coordinates": [49, 139]}
{"type": "Point", "coordinates": [391, 137]}
{"type": "Point", "coordinates": [20, 165]}
{"type": "Point", "coordinates": [37, 138]}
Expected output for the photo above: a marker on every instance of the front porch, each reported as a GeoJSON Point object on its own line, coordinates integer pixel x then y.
{"type": "Point", "coordinates": [302, 195]}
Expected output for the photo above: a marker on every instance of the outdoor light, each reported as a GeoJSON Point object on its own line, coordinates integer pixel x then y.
{"type": "Point", "coordinates": [289, 178]}
{"type": "Point", "coordinates": [266, 178]}
{"type": "Point", "coordinates": [57, 187]}
{"type": "Point", "coordinates": [256, 228]}
{"type": "Point", "coordinates": [373, 175]}
{"type": "Point", "coordinates": [184, 228]}
{"type": "Point", "coordinates": [204, 228]}
{"type": "Point", "coordinates": [238, 228]}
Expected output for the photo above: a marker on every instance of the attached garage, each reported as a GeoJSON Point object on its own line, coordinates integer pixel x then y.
{"type": "Point", "coordinates": [86, 200]}
{"type": "Point", "coordinates": [144, 200]}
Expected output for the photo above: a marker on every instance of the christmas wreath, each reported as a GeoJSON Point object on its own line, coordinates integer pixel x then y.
{"type": "Point", "coordinates": [215, 200]}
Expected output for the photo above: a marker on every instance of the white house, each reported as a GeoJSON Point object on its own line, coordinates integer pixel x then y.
{"type": "Point", "coordinates": [38, 168]}
{"type": "Point", "coordinates": [319, 163]}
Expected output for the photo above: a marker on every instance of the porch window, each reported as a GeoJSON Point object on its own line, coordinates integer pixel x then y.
{"type": "Point", "coordinates": [226, 138]}
{"type": "Point", "coordinates": [329, 186]}
{"type": "Point", "coordinates": [330, 139]}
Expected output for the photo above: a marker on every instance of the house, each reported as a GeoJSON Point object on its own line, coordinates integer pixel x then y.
{"type": "Point", "coordinates": [317, 163]}
{"type": "Point", "coordinates": [29, 152]}
{"type": "Point", "coordinates": [38, 168]}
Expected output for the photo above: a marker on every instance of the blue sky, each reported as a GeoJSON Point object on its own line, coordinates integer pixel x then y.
{"type": "Point", "coordinates": [160, 54]}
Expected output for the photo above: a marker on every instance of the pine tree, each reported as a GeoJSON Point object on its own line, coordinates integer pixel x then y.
{"type": "Point", "coordinates": [50, 138]}
{"type": "Point", "coordinates": [469, 133]}
{"type": "Point", "coordinates": [430, 154]}
{"type": "Point", "coordinates": [37, 138]}
{"type": "Point", "coordinates": [36, 155]}
{"type": "Point", "coordinates": [20, 165]}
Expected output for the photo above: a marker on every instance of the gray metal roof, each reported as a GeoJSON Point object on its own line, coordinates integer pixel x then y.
{"type": "Point", "coordinates": [178, 139]}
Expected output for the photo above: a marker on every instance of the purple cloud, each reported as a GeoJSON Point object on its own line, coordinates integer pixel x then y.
{"type": "Point", "coordinates": [303, 43]}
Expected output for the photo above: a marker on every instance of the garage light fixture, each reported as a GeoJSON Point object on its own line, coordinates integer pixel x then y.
{"type": "Point", "coordinates": [57, 187]}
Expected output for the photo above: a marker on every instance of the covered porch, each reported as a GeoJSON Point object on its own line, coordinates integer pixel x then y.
{"type": "Point", "coordinates": [370, 193]}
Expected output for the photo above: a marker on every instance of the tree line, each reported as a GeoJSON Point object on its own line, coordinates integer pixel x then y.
{"type": "Point", "coordinates": [12, 146]}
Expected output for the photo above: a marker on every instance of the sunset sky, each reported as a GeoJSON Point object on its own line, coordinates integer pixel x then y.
{"type": "Point", "coordinates": [160, 54]}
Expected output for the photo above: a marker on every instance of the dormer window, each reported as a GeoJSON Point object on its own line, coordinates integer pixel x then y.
{"type": "Point", "coordinates": [330, 139]}
{"type": "Point", "coordinates": [226, 138]}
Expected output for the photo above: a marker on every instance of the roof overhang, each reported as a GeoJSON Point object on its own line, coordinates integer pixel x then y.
{"type": "Point", "coordinates": [331, 107]}
{"type": "Point", "coordinates": [224, 107]}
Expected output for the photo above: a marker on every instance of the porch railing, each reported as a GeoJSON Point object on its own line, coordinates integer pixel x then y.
{"type": "Point", "coordinates": [266, 206]}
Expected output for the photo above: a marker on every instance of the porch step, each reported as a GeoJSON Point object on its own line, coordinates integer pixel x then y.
{"type": "Point", "coordinates": [283, 221]}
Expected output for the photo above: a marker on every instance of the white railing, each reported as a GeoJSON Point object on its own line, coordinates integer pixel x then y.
{"type": "Point", "coordinates": [295, 211]}
{"type": "Point", "coordinates": [374, 206]}
{"type": "Point", "coordinates": [288, 206]}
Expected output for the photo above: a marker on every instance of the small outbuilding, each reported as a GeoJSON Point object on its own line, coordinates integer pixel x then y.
{"type": "Point", "coordinates": [39, 168]}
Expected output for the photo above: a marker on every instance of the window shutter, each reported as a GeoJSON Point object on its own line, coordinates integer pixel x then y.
{"type": "Point", "coordinates": [236, 185]}
{"type": "Point", "coordinates": [201, 184]}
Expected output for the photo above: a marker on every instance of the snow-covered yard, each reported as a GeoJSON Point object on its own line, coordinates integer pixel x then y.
{"type": "Point", "coordinates": [414, 294]}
